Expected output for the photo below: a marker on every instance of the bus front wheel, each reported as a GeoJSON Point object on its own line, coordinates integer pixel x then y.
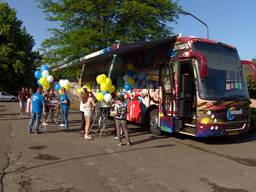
{"type": "Point", "coordinates": [153, 122]}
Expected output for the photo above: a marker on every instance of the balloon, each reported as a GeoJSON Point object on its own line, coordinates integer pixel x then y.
{"type": "Point", "coordinates": [43, 80]}
{"type": "Point", "coordinates": [107, 97]}
{"type": "Point", "coordinates": [50, 78]}
{"type": "Point", "coordinates": [105, 92]}
{"type": "Point", "coordinates": [45, 73]}
{"type": "Point", "coordinates": [57, 87]}
{"type": "Point", "coordinates": [46, 85]}
{"type": "Point", "coordinates": [112, 89]}
{"type": "Point", "coordinates": [60, 92]}
{"type": "Point", "coordinates": [130, 73]}
{"type": "Point", "coordinates": [66, 83]}
{"type": "Point", "coordinates": [88, 85]}
{"type": "Point", "coordinates": [67, 87]}
{"type": "Point", "coordinates": [101, 78]}
{"type": "Point", "coordinates": [44, 67]}
{"type": "Point", "coordinates": [61, 82]}
{"type": "Point", "coordinates": [104, 87]}
{"type": "Point", "coordinates": [79, 91]}
{"type": "Point", "coordinates": [99, 96]}
{"type": "Point", "coordinates": [89, 90]}
{"type": "Point", "coordinates": [39, 84]}
{"type": "Point", "coordinates": [131, 81]}
{"type": "Point", "coordinates": [130, 66]}
{"type": "Point", "coordinates": [108, 82]}
{"type": "Point", "coordinates": [127, 86]}
{"type": "Point", "coordinates": [37, 74]}
{"type": "Point", "coordinates": [125, 77]}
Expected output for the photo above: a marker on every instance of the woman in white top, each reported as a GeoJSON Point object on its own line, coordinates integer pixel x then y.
{"type": "Point", "coordinates": [82, 107]}
{"type": "Point", "coordinates": [89, 103]}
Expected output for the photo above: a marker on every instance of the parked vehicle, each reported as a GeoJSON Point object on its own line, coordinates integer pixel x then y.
{"type": "Point", "coordinates": [4, 96]}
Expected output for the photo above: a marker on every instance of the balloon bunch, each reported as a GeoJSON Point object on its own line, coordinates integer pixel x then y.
{"type": "Point", "coordinates": [62, 83]}
{"type": "Point", "coordinates": [87, 85]}
{"type": "Point", "coordinates": [106, 88]}
{"type": "Point", "coordinates": [129, 78]}
{"type": "Point", "coordinates": [44, 79]}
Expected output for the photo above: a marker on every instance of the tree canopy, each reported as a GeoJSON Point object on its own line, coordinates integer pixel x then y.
{"type": "Point", "coordinates": [85, 26]}
{"type": "Point", "coordinates": [17, 59]}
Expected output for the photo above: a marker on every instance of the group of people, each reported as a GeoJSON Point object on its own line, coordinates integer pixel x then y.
{"type": "Point", "coordinates": [87, 109]}
{"type": "Point", "coordinates": [41, 104]}
{"type": "Point", "coordinates": [24, 97]}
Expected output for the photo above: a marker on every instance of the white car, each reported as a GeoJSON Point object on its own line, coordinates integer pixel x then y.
{"type": "Point", "coordinates": [4, 96]}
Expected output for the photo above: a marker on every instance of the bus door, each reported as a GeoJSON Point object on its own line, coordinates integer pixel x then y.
{"type": "Point", "coordinates": [167, 95]}
{"type": "Point", "coordinates": [186, 97]}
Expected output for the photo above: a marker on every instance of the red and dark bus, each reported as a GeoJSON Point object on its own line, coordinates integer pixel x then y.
{"type": "Point", "coordinates": [185, 85]}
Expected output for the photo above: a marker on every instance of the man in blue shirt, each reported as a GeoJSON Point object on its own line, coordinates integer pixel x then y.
{"type": "Point", "coordinates": [64, 108]}
{"type": "Point", "coordinates": [38, 107]}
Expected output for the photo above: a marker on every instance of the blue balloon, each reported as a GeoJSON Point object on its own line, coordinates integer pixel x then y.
{"type": "Point", "coordinates": [44, 67]}
{"type": "Point", "coordinates": [37, 74]}
{"type": "Point", "coordinates": [127, 86]}
{"type": "Point", "coordinates": [57, 87]}
{"type": "Point", "coordinates": [105, 92]}
{"type": "Point", "coordinates": [39, 84]}
{"type": "Point", "coordinates": [130, 73]}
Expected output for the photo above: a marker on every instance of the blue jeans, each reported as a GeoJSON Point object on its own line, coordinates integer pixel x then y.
{"type": "Point", "coordinates": [37, 117]}
{"type": "Point", "coordinates": [64, 115]}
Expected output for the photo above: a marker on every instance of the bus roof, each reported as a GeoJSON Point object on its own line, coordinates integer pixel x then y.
{"type": "Point", "coordinates": [133, 47]}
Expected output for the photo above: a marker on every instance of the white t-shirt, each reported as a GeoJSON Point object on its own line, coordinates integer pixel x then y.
{"type": "Point", "coordinates": [82, 106]}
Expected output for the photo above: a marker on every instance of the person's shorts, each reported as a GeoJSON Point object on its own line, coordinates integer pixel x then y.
{"type": "Point", "coordinates": [22, 104]}
{"type": "Point", "coordinates": [88, 112]}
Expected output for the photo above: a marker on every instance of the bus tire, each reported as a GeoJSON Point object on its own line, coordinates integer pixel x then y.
{"type": "Point", "coordinates": [153, 122]}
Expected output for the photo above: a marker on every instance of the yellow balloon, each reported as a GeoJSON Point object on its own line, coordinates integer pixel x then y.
{"type": "Point", "coordinates": [88, 85]}
{"type": "Point", "coordinates": [89, 90]}
{"type": "Point", "coordinates": [108, 81]}
{"type": "Point", "coordinates": [79, 91]}
{"type": "Point", "coordinates": [46, 85]}
{"type": "Point", "coordinates": [131, 80]}
{"type": "Point", "coordinates": [104, 87]}
{"type": "Point", "coordinates": [67, 87]}
{"type": "Point", "coordinates": [101, 78]}
{"type": "Point", "coordinates": [99, 96]}
{"type": "Point", "coordinates": [43, 80]}
{"type": "Point", "coordinates": [112, 89]}
{"type": "Point", "coordinates": [60, 92]}
{"type": "Point", "coordinates": [130, 66]}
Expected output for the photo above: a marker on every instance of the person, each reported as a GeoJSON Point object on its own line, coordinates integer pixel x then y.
{"type": "Point", "coordinates": [120, 119]}
{"type": "Point", "coordinates": [64, 100]}
{"type": "Point", "coordinates": [38, 106]}
{"type": "Point", "coordinates": [29, 101]}
{"type": "Point", "coordinates": [82, 99]}
{"type": "Point", "coordinates": [22, 100]}
{"type": "Point", "coordinates": [47, 110]}
{"type": "Point", "coordinates": [88, 113]}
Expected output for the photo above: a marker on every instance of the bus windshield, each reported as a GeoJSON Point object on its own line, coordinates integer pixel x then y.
{"type": "Point", "coordinates": [225, 79]}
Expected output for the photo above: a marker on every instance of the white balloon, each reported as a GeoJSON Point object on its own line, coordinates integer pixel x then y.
{"type": "Point", "coordinates": [66, 82]}
{"type": "Point", "coordinates": [50, 78]}
{"type": "Point", "coordinates": [61, 82]}
{"type": "Point", "coordinates": [107, 97]}
{"type": "Point", "coordinates": [125, 78]}
{"type": "Point", "coordinates": [45, 73]}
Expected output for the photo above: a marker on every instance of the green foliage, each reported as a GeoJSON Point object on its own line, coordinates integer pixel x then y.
{"type": "Point", "coordinates": [89, 25]}
{"type": "Point", "coordinates": [17, 60]}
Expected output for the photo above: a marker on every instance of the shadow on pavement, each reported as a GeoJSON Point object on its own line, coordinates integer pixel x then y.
{"type": "Point", "coordinates": [88, 156]}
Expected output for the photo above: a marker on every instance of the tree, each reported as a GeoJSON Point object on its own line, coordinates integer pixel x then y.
{"type": "Point", "coordinates": [17, 60]}
{"type": "Point", "coordinates": [89, 25]}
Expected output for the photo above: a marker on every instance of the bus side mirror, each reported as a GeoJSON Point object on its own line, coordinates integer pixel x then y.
{"type": "Point", "coordinates": [246, 62]}
{"type": "Point", "coordinates": [202, 61]}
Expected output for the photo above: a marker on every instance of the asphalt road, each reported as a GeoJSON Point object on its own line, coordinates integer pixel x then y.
{"type": "Point", "coordinates": [57, 161]}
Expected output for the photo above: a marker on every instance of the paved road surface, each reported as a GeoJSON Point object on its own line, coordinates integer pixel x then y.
{"type": "Point", "coordinates": [57, 161]}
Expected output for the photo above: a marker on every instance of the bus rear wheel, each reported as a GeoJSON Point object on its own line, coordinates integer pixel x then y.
{"type": "Point", "coordinates": [153, 122]}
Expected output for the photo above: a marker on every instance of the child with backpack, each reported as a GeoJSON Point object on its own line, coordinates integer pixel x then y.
{"type": "Point", "coordinates": [120, 119]}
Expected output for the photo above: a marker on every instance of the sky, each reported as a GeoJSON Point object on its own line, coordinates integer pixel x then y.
{"type": "Point", "coordinates": [231, 22]}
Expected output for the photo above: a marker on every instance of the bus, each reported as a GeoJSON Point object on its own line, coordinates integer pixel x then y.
{"type": "Point", "coordinates": [249, 68]}
{"type": "Point", "coordinates": [187, 85]}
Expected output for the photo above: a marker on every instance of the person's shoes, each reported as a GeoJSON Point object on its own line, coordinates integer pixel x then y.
{"type": "Point", "coordinates": [44, 123]}
{"type": "Point", "coordinates": [62, 125]}
{"type": "Point", "coordinates": [29, 132]}
{"type": "Point", "coordinates": [128, 143]}
{"type": "Point", "coordinates": [120, 144]}
{"type": "Point", "coordinates": [116, 138]}
{"type": "Point", "coordinates": [82, 132]}
{"type": "Point", "coordinates": [87, 137]}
